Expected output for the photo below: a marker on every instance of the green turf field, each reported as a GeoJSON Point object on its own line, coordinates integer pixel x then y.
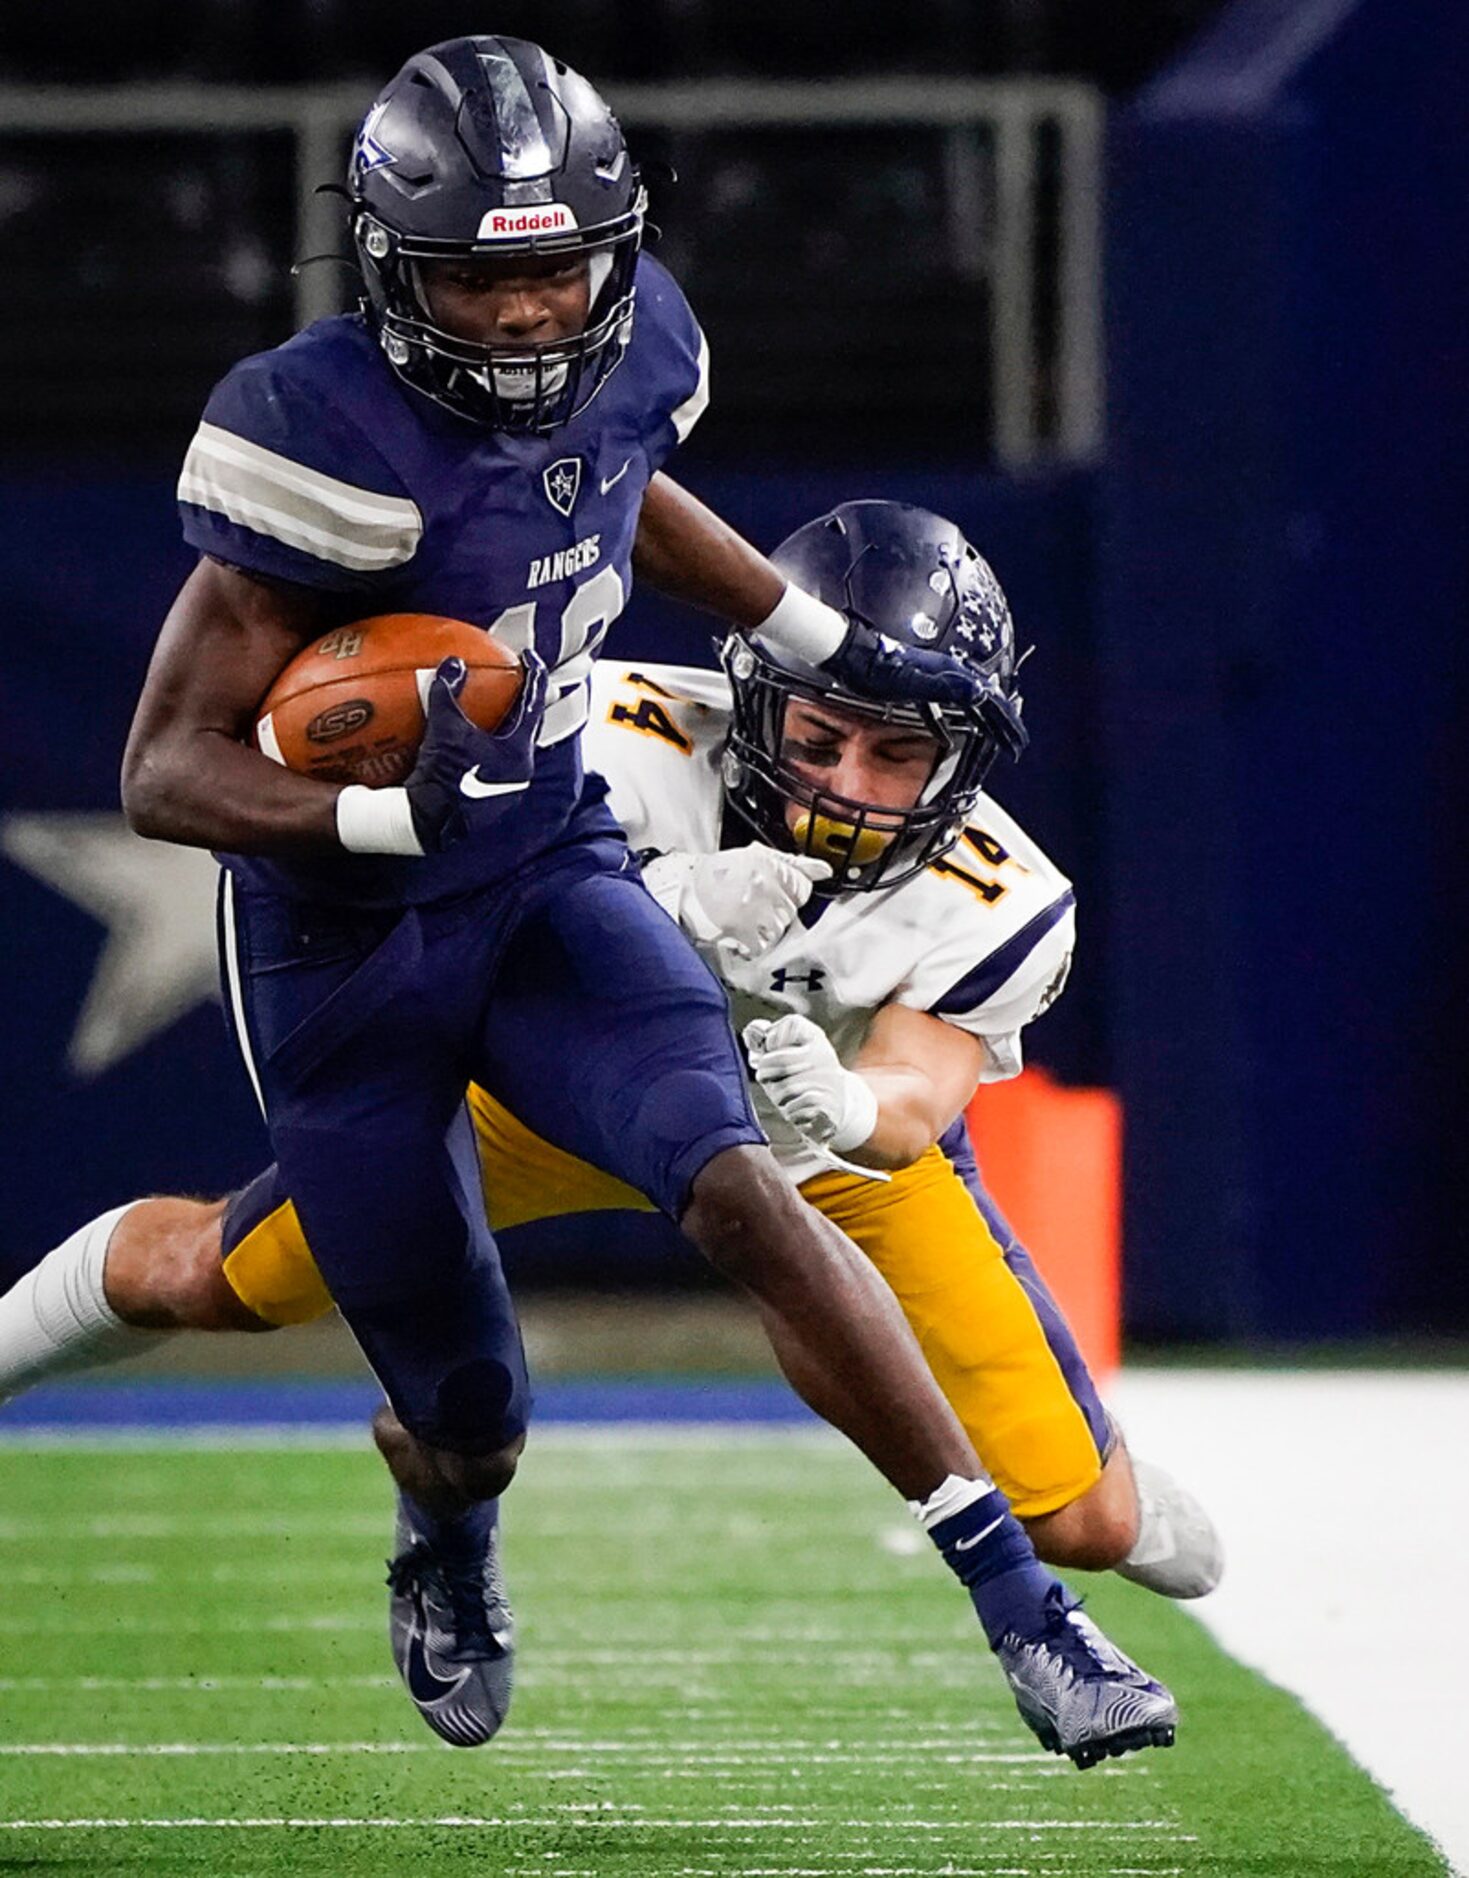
{"type": "Point", "coordinates": [730, 1665]}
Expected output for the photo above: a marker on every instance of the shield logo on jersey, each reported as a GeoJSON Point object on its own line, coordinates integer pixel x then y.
{"type": "Point", "coordinates": [562, 484]}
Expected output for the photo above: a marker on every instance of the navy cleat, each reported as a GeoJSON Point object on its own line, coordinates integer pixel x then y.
{"type": "Point", "coordinates": [1078, 1693]}
{"type": "Point", "coordinates": [451, 1629]}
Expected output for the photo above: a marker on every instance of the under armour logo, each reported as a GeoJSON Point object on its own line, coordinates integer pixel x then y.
{"type": "Point", "coordinates": [812, 980]}
{"type": "Point", "coordinates": [562, 483]}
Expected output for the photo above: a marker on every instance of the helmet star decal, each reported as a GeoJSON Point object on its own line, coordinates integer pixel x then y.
{"type": "Point", "coordinates": [368, 154]}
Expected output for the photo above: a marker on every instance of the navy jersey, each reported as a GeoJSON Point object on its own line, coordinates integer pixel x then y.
{"type": "Point", "coordinates": [315, 464]}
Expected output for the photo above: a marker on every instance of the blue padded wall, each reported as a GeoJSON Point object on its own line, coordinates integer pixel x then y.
{"type": "Point", "coordinates": [1281, 611]}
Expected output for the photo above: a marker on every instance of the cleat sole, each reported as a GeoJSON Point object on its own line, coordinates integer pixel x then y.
{"type": "Point", "coordinates": [1130, 1741]}
{"type": "Point", "coordinates": [1040, 1725]}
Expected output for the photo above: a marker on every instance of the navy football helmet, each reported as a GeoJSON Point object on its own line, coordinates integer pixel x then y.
{"type": "Point", "coordinates": [912, 576]}
{"type": "Point", "coordinates": [490, 148]}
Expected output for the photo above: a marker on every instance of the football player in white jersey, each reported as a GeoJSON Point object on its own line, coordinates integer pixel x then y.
{"type": "Point", "coordinates": [883, 941]}
{"type": "Point", "coordinates": [884, 932]}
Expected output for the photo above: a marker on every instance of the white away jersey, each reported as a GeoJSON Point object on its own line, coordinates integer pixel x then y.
{"type": "Point", "coordinates": [981, 939]}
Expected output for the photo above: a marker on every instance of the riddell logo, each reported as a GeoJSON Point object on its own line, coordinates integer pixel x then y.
{"type": "Point", "coordinates": [546, 218]}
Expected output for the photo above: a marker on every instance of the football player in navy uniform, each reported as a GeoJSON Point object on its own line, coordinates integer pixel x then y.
{"type": "Point", "coordinates": [485, 441]}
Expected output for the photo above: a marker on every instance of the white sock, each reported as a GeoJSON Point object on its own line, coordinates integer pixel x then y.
{"type": "Point", "coordinates": [57, 1318]}
{"type": "Point", "coordinates": [948, 1499]}
{"type": "Point", "coordinates": [1178, 1552]}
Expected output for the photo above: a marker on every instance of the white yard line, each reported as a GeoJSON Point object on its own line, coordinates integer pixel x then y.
{"type": "Point", "coordinates": [879, 1754]}
{"type": "Point", "coordinates": [122, 1750]}
{"type": "Point", "coordinates": [122, 1623]}
{"type": "Point", "coordinates": [800, 1647]}
{"type": "Point", "coordinates": [188, 1685]}
{"type": "Point", "coordinates": [693, 1723]}
{"type": "Point", "coordinates": [192, 1526]}
{"type": "Point", "coordinates": [603, 1821]}
{"type": "Point", "coordinates": [1343, 1504]}
{"type": "Point", "coordinates": [325, 1436]}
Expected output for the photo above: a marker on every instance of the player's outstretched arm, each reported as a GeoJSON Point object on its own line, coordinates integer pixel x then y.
{"type": "Point", "coordinates": [684, 550]}
{"type": "Point", "coordinates": [188, 774]}
{"type": "Point", "coordinates": [913, 1075]}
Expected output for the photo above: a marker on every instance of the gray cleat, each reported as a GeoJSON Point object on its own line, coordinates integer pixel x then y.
{"type": "Point", "coordinates": [452, 1633]}
{"type": "Point", "coordinates": [1079, 1694]}
{"type": "Point", "coordinates": [1178, 1552]}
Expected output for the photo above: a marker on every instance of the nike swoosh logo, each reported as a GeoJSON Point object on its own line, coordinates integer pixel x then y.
{"type": "Point", "coordinates": [424, 1683]}
{"type": "Point", "coordinates": [471, 783]}
{"type": "Point", "coordinates": [609, 482]}
{"type": "Point", "coordinates": [968, 1545]}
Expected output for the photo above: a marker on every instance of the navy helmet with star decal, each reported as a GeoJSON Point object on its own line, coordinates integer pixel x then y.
{"type": "Point", "coordinates": [911, 575]}
{"type": "Point", "coordinates": [486, 148]}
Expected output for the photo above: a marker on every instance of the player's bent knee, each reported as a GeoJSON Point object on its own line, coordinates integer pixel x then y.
{"type": "Point", "coordinates": [212, 1301]}
{"type": "Point", "coordinates": [483, 1476]}
{"type": "Point", "coordinates": [741, 1206]}
{"type": "Point", "coordinates": [165, 1271]}
{"type": "Point", "coordinates": [1095, 1532]}
{"type": "Point", "coordinates": [1087, 1547]}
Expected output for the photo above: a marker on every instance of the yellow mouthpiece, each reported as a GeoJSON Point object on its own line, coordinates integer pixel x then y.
{"type": "Point", "coordinates": [839, 841]}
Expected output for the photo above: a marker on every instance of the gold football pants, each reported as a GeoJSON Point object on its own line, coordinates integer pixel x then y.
{"type": "Point", "coordinates": [990, 1333]}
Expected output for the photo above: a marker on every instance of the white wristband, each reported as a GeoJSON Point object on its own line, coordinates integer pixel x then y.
{"type": "Point", "coordinates": [376, 821]}
{"type": "Point", "coordinates": [806, 627]}
{"type": "Point", "coordinates": [859, 1113]}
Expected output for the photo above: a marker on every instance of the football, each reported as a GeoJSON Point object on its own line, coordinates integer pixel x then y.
{"type": "Point", "coordinates": [349, 708]}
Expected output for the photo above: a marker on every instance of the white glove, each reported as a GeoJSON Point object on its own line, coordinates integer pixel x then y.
{"type": "Point", "coordinates": [741, 899]}
{"type": "Point", "coordinates": [794, 1063]}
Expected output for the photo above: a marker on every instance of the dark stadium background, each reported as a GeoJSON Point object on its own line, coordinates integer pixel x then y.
{"type": "Point", "coordinates": [1246, 587]}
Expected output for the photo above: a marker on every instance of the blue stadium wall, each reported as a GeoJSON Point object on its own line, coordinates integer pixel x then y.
{"type": "Point", "coordinates": [1281, 620]}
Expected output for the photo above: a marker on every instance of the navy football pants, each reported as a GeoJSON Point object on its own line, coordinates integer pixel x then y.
{"type": "Point", "coordinates": [570, 996]}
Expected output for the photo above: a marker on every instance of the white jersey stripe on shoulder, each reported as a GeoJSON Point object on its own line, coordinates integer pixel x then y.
{"type": "Point", "coordinates": [264, 520]}
{"type": "Point", "coordinates": [346, 500]}
{"type": "Point", "coordinates": [260, 489]}
{"type": "Point", "coordinates": [693, 406]}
